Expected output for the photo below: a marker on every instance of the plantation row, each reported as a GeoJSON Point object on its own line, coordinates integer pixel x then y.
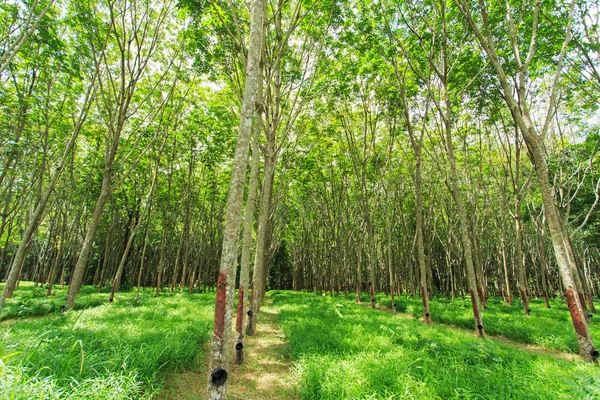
{"type": "Point", "coordinates": [340, 349]}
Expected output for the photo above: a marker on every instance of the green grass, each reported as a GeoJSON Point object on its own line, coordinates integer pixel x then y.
{"type": "Point", "coordinates": [30, 301]}
{"type": "Point", "coordinates": [348, 351]}
{"type": "Point", "coordinates": [111, 351]}
{"type": "Point", "coordinates": [549, 328]}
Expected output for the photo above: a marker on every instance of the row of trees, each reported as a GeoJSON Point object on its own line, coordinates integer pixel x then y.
{"type": "Point", "coordinates": [393, 146]}
{"type": "Point", "coordinates": [115, 156]}
{"type": "Point", "coordinates": [410, 169]}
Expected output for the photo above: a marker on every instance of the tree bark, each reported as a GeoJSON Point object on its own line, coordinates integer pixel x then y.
{"type": "Point", "coordinates": [220, 344]}
{"type": "Point", "coordinates": [243, 290]}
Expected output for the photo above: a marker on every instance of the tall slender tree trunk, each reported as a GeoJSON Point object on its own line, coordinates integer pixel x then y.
{"type": "Point", "coordinates": [260, 259]}
{"type": "Point", "coordinates": [358, 281]}
{"type": "Point", "coordinates": [464, 226]}
{"type": "Point", "coordinates": [503, 247]}
{"type": "Point", "coordinates": [420, 245]}
{"type": "Point", "coordinates": [138, 222]}
{"type": "Point", "coordinates": [220, 344]}
{"type": "Point", "coordinates": [542, 252]}
{"type": "Point", "coordinates": [243, 290]}
{"type": "Point", "coordinates": [388, 224]}
{"type": "Point", "coordinates": [519, 258]}
{"type": "Point", "coordinates": [142, 258]}
{"type": "Point", "coordinates": [78, 277]}
{"type": "Point", "coordinates": [417, 143]}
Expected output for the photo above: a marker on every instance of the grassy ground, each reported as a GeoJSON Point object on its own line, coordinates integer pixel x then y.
{"type": "Point", "coordinates": [29, 301]}
{"type": "Point", "coordinates": [110, 351]}
{"type": "Point", "coordinates": [308, 346]}
{"type": "Point", "coordinates": [266, 373]}
{"type": "Point", "coordinates": [547, 328]}
{"type": "Point", "coordinates": [347, 351]}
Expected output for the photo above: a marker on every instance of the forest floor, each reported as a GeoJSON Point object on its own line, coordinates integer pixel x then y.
{"type": "Point", "coordinates": [507, 341]}
{"type": "Point", "coordinates": [265, 375]}
{"type": "Point", "coordinates": [157, 348]}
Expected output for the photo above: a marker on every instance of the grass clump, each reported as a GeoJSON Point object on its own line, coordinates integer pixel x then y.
{"type": "Point", "coordinates": [112, 351]}
{"type": "Point", "coordinates": [549, 328]}
{"type": "Point", "coordinates": [348, 351]}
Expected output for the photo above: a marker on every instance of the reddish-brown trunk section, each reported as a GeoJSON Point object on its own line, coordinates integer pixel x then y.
{"type": "Point", "coordinates": [239, 316]}
{"type": "Point", "coordinates": [221, 305]}
{"type": "Point", "coordinates": [575, 315]}
{"type": "Point", "coordinates": [583, 304]}
{"type": "Point", "coordinates": [590, 302]}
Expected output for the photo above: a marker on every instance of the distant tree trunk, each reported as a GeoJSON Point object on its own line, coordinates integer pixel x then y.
{"type": "Point", "coordinates": [142, 257]}
{"type": "Point", "coordinates": [140, 218]}
{"type": "Point", "coordinates": [52, 274]}
{"type": "Point", "coordinates": [503, 243]}
{"type": "Point", "coordinates": [542, 252]}
{"type": "Point", "coordinates": [163, 242]}
{"type": "Point", "coordinates": [454, 185]}
{"type": "Point", "coordinates": [519, 257]}
{"type": "Point", "coordinates": [417, 144]}
{"type": "Point", "coordinates": [463, 224]}
{"type": "Point", "coordinates": [388, 225]}
{"type": "Point", "coordinates": [81, 266]}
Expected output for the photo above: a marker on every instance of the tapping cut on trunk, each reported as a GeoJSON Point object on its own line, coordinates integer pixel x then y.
{"type": "Point", "coordinates": [239, 319]}
{"type": "Point", "coordinates": [575, 314]}
{"type": "Point", "coordinates": [220, 307]}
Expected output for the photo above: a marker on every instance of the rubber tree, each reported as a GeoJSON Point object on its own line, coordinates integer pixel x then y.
{"type": "Point", "coordinates": [220, 343]}
{"type": "Point", "coordinates": [514, 90]}
{"type": "Point", "coordinates": [133, 43]}
{"type": "Point", "coordinates": [40, 208]}
{"type": "Point", "coordinates": [283, 103]}
{"type": "Point", "coordinates": [436, 78]}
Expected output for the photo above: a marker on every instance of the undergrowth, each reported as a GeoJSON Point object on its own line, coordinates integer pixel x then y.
{"type": "Point", "coordinates": [549, 328]}
{"type": "Point", "coordinates": [112, 351]}
{"type": "Point", "coordinates": [30, 301]}
{"type": "Point", "coordinates": [347, 351]}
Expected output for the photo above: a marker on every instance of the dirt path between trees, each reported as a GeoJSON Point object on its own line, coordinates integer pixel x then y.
{"type": "Point", "coordinates": [265, 375]}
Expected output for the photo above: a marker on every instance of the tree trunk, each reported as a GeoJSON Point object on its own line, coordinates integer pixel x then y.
{"type": "Point", "coordinates": [243, 290]}
{"type": "Point", "coordinates": [78, 277]}
{"type": "Point", "coordinates": [260, 259]}
{"type": "Point", "coordinates": [220, 346]}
